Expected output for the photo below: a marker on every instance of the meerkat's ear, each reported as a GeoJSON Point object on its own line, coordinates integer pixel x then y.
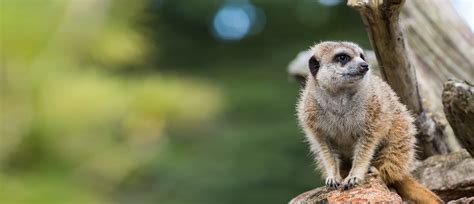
{"type": "Point", "coordinates": [313, 65]}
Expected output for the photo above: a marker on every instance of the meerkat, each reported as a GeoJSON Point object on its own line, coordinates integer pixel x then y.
{"type": "Point", "coordinates": [354, 121]}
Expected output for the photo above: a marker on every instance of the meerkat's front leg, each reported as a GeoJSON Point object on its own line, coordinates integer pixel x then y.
{"type": "Point", "coordinates": [336, 179]}
{"type": "Point", "coordinates": [363, 154]}
{"type": "Point", "coordinates": [329, 161]}
{"type": "Point", "coordinates": [331, 166]}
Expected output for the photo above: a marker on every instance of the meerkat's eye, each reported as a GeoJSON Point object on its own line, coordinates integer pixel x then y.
{"type": "Point", "coordinates": [342, 58]}
{"type": "Point", "coordinates": [313, 65]}
{"type": "Point", "coordinates": [362, 56]}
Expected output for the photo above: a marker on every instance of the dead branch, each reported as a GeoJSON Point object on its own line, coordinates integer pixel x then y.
{"type": "Point", "coordinates": [458, 102]}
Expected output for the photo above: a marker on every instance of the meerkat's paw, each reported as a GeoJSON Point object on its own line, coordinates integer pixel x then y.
{"type": "Point", "coordinates": [351, 181]}
{"type": "Point", "coordinates": [332, 182]}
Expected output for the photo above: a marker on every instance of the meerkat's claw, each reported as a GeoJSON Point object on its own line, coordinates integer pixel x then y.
{"type": "Point", "coordinates": [350, 182]}
{"type": "Point", "coordinates": [332, 182]}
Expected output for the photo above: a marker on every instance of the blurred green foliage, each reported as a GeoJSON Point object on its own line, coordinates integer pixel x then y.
{"type": "Point", "coordinates": [74, 127]}
{"type": "Point", "coordinates": [120, 101]}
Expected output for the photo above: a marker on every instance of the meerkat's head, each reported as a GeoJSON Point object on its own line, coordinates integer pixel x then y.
{"type": "Point", "coordinates": [337, 65]}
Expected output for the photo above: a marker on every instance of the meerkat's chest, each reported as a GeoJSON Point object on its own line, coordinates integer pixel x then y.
{"type": "Point", "coordinates": [345, 126]}
{"type": "Point", "coordinates": [343, 120]}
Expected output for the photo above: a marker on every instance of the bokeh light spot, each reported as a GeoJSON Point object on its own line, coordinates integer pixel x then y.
{"type": "Point", "coordinates": [231, 23]}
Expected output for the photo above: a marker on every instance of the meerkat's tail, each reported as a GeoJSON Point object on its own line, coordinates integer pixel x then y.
{"type": "Point", "coordinates": [410, 189]}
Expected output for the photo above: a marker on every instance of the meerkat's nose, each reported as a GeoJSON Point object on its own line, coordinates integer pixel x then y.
{"type": "Point", "coordinates": [364, 67]}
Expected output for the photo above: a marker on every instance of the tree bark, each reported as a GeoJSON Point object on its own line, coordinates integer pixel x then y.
{"type": "Point", "coordinates": [458, 102]}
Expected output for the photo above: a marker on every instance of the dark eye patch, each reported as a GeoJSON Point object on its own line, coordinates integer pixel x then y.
{"type": "Point", "coordinates": [313, 65]}
{"type": "Point", "coordinates": [362, 56]}
{"type": "Point", "coordinates": [342, 58]}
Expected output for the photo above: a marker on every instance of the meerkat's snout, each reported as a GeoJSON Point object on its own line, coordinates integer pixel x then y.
{"type": "Point", "coordinates": [363, 68]}
{"type": "Point", "coordinates": [357, 70]}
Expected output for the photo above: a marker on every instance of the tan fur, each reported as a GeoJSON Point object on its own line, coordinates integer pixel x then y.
{"type": "Point", "coordinates": [354, 124]}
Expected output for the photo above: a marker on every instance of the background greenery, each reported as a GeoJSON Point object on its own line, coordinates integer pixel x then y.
{"type": "Point", "coordinates": [119, 101]}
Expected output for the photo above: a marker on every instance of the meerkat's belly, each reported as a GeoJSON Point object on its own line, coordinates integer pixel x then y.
{"type": "Point", "coordinates": [343, 131]}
